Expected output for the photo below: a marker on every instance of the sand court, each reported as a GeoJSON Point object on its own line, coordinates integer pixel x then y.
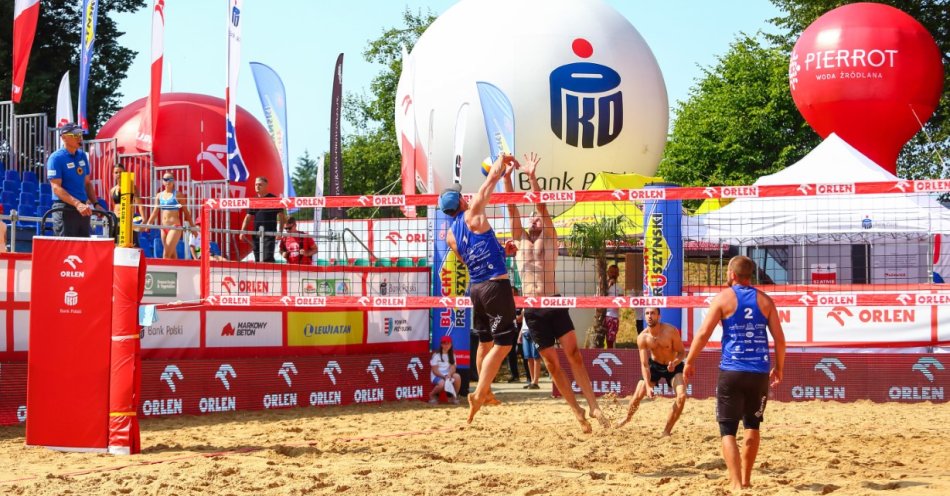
{"type": "Point", "coordinates": [529, 445]}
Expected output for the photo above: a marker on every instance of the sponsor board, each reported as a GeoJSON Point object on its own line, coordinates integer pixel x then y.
{"type": "Point", "coordinates": [243, 329]}
{"type": "Point", "coordinates": [397, 283]}
{"type": "Point", "coordinates": [175, 329]}
{"type": "Point", "coordinates": [397, 326]}
{"type": "Point", "coordinates": [870, 324]}
{"type": "Point", "coordinates": [324, 328]}
{"type": "Point", "coordinates": [161, 284]}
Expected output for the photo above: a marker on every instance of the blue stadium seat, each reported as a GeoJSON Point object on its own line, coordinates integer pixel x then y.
{"type": "Point", "coordinates": [11, 175]}
{"type": "Point", "coordinates": [180, 249]}
{"type": "Point", "coordinates": [215, 249]}
{"type": "Point", "coordinates": [45, 188]}
{"type": "Point", "coordinates": [26, 211]}
{"type": "Point", "coordinates": [29, 187]}
{"type": "Point", "coordinates": [9, 197]}
{"type": "Point", "coordinates": [29, 176]}
{"type": "Point", "coordinates": [45, 199]}
{"type": "Point", "coordinates": [27, 199]}
{"type": "Point", "coordinates": [13, 186]}
{"type": "Point", "coordinates": [7, 208]}
{"type": "Point", "coordinates": [157, 249]}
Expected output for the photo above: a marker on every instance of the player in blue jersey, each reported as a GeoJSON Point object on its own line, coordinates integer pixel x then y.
{"type": "Point", "coordinates": [67, 170]}
{"type": "Point", "coordinates": [493, 305]}
{"type": "Point", "coordinates": [745, 369]}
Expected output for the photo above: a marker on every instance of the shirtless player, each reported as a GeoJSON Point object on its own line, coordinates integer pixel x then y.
{"type": "Point", "coordinates": [537, 258]}
{"type": "Point", "coordinates": [661, 357]}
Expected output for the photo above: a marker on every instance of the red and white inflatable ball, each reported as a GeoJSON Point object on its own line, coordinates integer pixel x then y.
{"type": "Point", "coordinates": [869, 73]}
{"type": "Point", "coordinates": [191, 131]}
{"type": "Point", "coordinates": [586, 90]}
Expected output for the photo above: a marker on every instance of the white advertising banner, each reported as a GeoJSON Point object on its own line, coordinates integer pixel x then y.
{"type": "Point", "coordinates": [871, 324]}
{"type": "Point", "coordinates": [397, 326]}
{"type": "Point", "coordinates": [174, 330]}
{"type": "Point", "coordinates": [324, 283]}
{"type": "Point", "coordinates": [243, 329]}
{"type": "Point", "coordinates": [251, 283]}
{"type": "Point", "coordinates": [397, 283]}
{"type": "Point", "coordinates": [394, 238]}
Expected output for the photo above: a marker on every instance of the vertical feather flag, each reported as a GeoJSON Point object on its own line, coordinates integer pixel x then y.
{"type": "Point", "coordinates": [145, 140]}
{"type": "Point", "coordinates": [499, 119]}
{"type": "Point", "coordinates": [90, 9]}
{"type": "Point", "coordinates": [64, 102]}
{"type": "Point", "coordinates": [274, 100]}
{"type": "Point", "coordinates": [318, 191]}
{"type": "Point", "coordinates": [237, 171]}
{"type": "Point", "coordinates": [25, 15]}
{"type": "Point", "coordinates": [406, 128]}
{"type": "Point", "coordinates": [336, 143]}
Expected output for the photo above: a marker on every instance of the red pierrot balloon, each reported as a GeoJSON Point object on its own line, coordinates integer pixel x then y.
{"type": "Point", "coordinates": [192, 132]}
{"type": "Point", "coordinates": [869, 73]}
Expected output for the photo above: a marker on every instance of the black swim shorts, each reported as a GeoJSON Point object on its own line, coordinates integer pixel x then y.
{"type": "Point", "coordinates": [659, 371]}
{"type": "Point", "coordinates": [493, 312]}
{"type": "Point", "coordinates": [547, 325]}
{"type": "Point", "coordinates": [741, 396]}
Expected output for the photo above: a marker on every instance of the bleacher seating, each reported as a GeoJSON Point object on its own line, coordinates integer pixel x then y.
{"type": "Point", "coordinates": [26, 210]}
{"type": "Point", "coordinates": [29, 176]}
{"type": "Point", "coordinates": [11, 186]}
{"type": "Point", "coordinates": [27, 198]}
{"type": "Point", "coordinates": [45, 188]}
{"type": "Point", "coordinates": [29, 187]}
{"type": "Point", "coordinates": [9, 197]}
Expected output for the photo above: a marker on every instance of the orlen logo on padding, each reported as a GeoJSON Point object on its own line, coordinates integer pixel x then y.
{"type": "Point", "coordinates": [830, 367]}
{"type": "Point", "coordinates": [928, 367]}
{"type": "Point", "coordinates": [837, 314]}
{"type": "Point", "coordinates": [586, 104]}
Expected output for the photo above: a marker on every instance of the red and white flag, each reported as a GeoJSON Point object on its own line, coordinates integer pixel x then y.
{"type": "Point", "coordinates": [25, 15]}
{"type": "Point", "coordinates": [145, 139]}
{"type": "Point", "coordinates": [64, 103]}
{"type": "Point", "coordinates": [406, 128]}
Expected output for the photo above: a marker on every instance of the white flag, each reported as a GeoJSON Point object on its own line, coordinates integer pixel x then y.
{"type": "Point", "coordinates": [64, 104]}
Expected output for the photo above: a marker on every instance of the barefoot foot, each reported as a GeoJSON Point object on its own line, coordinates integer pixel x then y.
{"type": "Point", "coordinates": [474, 404]}
{"type": "Point", "coordinates": [582, 418]}
{"type": "Point", "coordinates": [599, 415]}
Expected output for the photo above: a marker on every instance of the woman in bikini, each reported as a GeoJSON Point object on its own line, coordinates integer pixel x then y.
{"type": "Point", "coordinates": [171, 204]}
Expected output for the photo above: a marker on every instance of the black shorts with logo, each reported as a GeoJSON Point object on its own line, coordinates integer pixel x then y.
{"type": "Point", "coordinates": [547, 325]}
{"type": "Point", "coordinates": [493, 312]}
{"type": "Point", "coordinates": [660, 371]}
{"type": "Point", "coordinates": [742, 396]}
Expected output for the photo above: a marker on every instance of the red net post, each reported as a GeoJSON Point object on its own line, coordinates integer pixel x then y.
{"type": "Point", "coordinates": [126, 359]}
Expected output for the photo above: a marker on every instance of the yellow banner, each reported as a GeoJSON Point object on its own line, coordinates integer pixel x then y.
{"type": "Point", "coordinates": [325, 328]}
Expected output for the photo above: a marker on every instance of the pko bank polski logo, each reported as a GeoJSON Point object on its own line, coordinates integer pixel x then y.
{"type": "Point", "coordinates": [586, 104]}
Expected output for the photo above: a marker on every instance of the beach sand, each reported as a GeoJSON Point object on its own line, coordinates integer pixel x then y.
{"type": "Point", "coordinates": [530, 445]}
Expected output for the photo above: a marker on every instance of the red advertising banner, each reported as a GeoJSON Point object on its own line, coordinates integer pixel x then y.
{"type": "Point", "coordinates": [70, 329]}
{"type": "Point", "coordinates": [188, 387]}
{"type": "Point", "coordinates": [808, 376]}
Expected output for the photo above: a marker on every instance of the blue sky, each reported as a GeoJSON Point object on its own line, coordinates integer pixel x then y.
{"type": "Point", "coordinates": [301, 39]}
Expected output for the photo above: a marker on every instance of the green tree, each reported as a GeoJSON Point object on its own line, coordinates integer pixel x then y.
{"type": "Point", "coordinates": [589, 240]}
{"type": "Point", "coordinates": [739, 121]}
{"type": "Point", "coordinates": [371, 153]}
{"type": "Point", "coordinates": [56, 50]}
{"type": "Point", "coordinates": [305, 175]}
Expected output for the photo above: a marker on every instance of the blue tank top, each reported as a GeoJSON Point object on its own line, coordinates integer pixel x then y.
{"type": "Point", "coordinates": [745, 344]}
{"type": "Point", "coordinates": [170, 203]}
{"type": "Point", "coordinates": [482, 254]}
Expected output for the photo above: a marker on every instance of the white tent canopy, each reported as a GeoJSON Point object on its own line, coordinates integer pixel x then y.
{"type": "Point", "coordinates": [825, 218]}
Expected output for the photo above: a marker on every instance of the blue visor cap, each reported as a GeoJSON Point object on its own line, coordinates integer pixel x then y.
{"type": "Point", "coordinates": [451, 199]}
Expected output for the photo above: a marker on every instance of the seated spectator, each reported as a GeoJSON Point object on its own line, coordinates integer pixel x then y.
{"type": "Point", "coordinates": [195, 246]}
{"type": "Point", "coordinates": [443, 373]}
{"type": "Point", "coordinates": [295, 246]}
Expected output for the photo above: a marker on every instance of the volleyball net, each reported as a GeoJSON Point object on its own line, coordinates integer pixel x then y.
{"type": "Point", "coordinates": [859, 244]}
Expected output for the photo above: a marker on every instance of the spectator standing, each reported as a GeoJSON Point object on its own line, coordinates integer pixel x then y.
{"type": "Point", "coordinates": [67, 170]}
{"type": "Point", "coordinates": [268, 219]}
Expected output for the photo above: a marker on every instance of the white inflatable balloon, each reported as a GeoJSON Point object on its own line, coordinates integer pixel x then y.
{"type": "Point", "coordinates": [587, 93]}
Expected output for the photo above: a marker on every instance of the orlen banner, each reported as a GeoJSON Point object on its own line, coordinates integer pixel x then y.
{"type": "Point", "coordinates": [203, 386]}
{"type": "Point", "coordinates": [843, 377]}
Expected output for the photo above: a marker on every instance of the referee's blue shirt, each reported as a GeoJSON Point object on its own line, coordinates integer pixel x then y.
{"type": "Point", "coordinates": [72, 169]}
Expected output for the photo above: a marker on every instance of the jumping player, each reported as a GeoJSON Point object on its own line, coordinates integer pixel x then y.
{"type": "Point", "coordinates": [744, 375]}
{"type": "Point", "coordinates": [661, 357]}
{"type": "Point", "coordinates": [493, 304]}
{"type": "Point", "coordinates": [537, 259]}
